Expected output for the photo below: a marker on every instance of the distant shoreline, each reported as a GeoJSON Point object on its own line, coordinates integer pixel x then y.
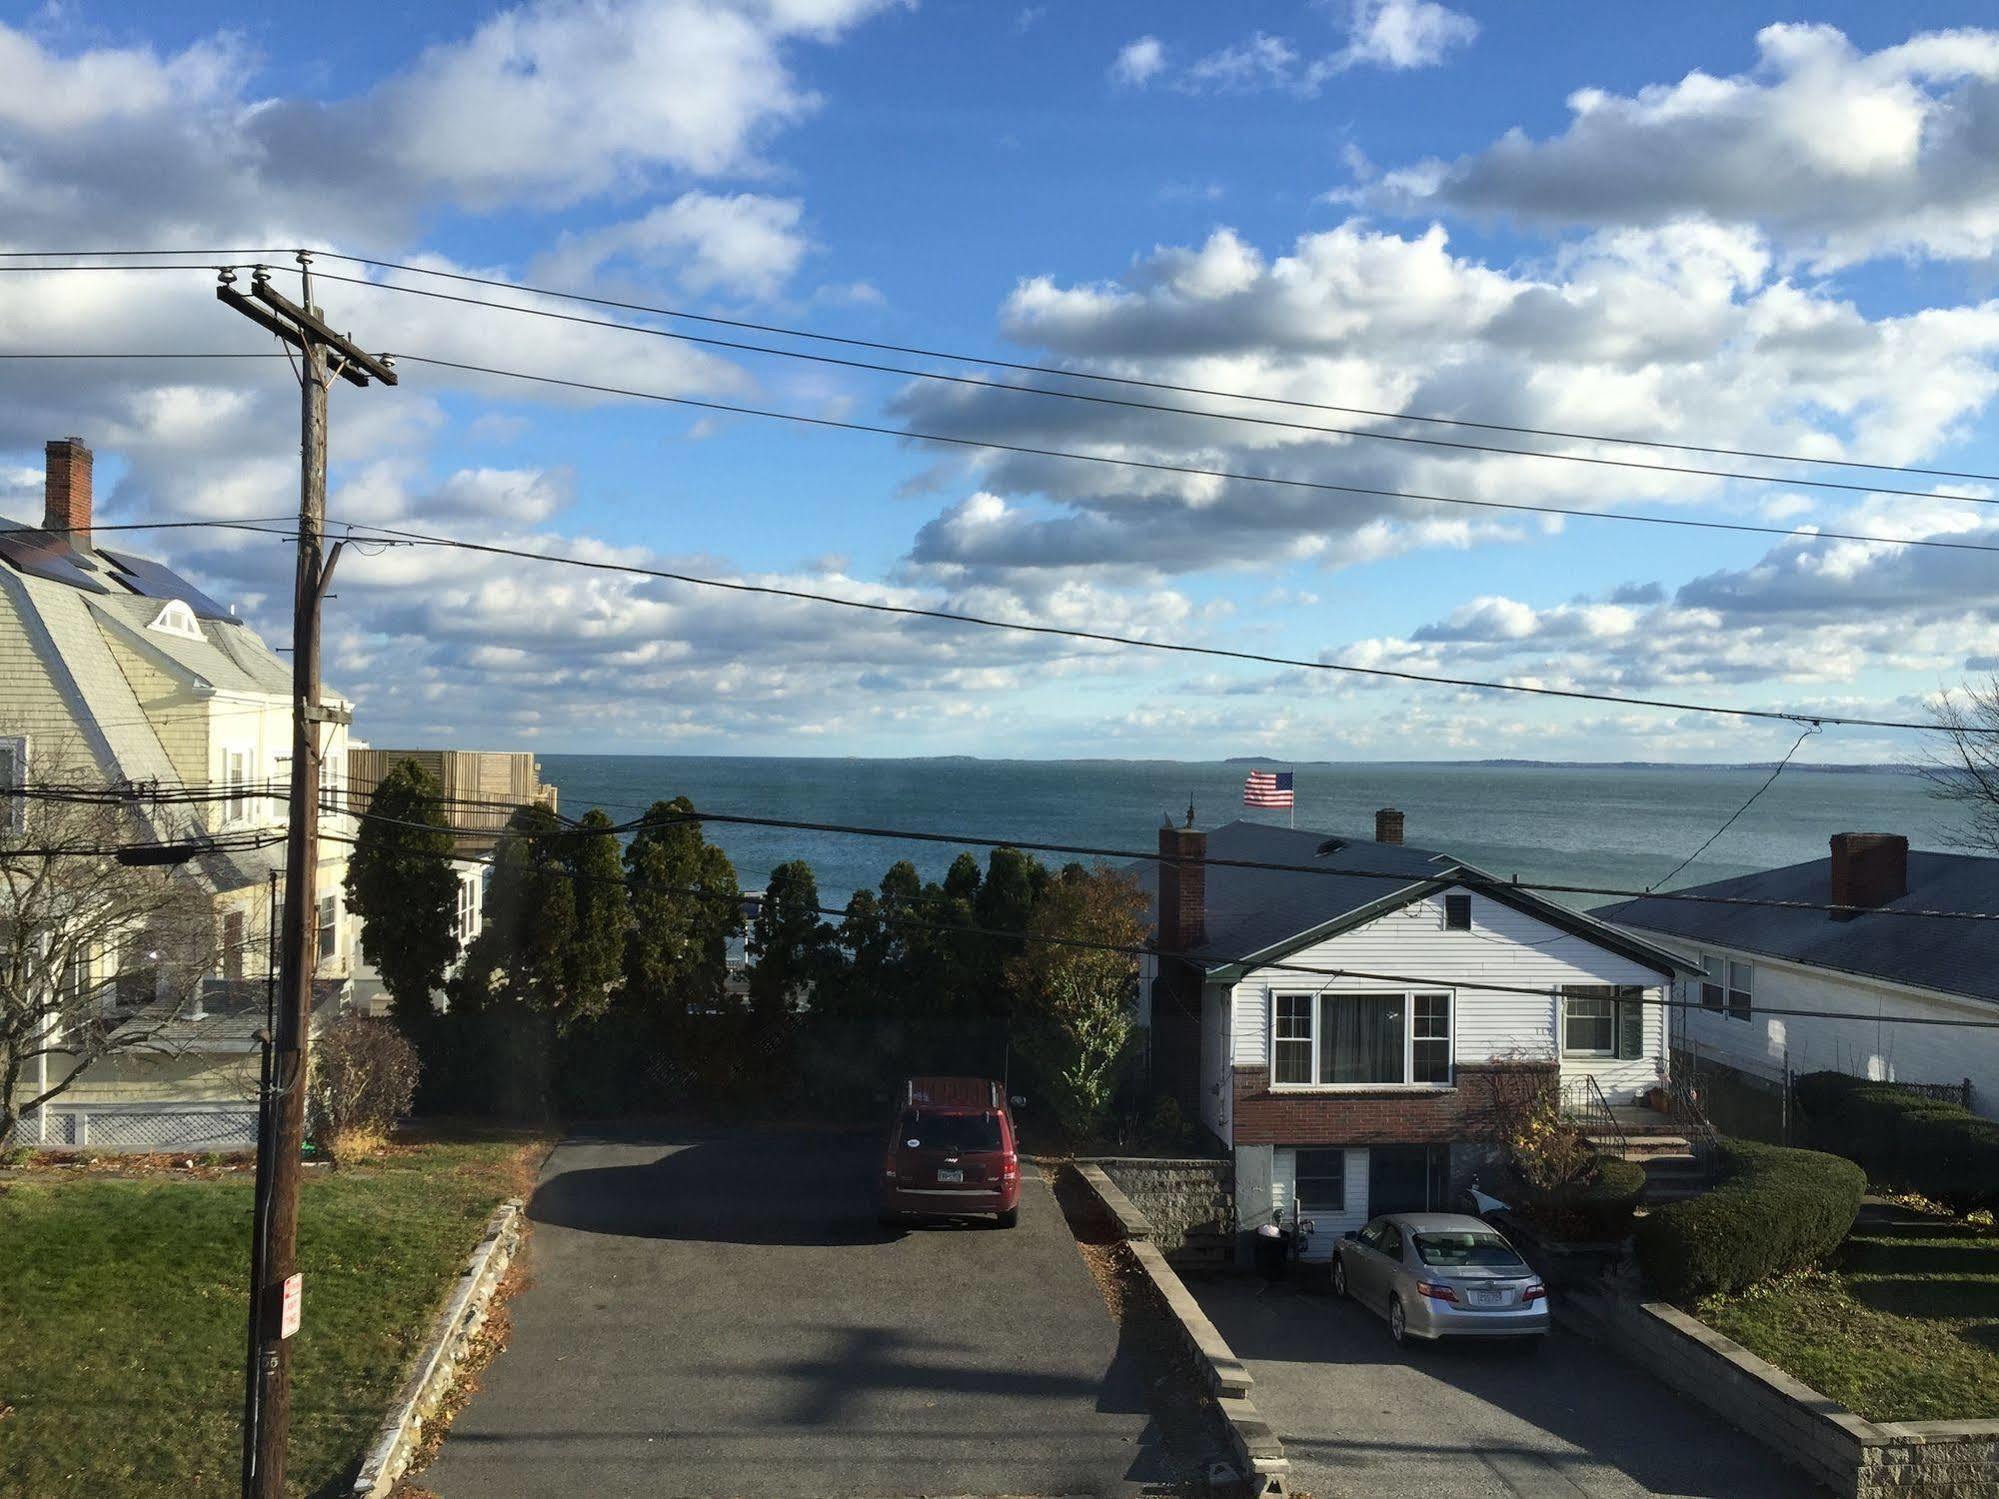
{"type": "Point", "coordinates": [1863, 768]}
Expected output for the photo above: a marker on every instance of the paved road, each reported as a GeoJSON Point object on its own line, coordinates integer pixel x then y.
{"type": "Point", "coordinates": [1466, 1421]}
{"type": "Point", "coordinates": [721, 1315]}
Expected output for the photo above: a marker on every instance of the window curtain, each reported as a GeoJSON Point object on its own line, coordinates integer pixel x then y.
{"type": "Point", "coordinates": [1360, 1038]}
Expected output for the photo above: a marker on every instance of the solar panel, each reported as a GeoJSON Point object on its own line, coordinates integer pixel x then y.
{"type": "Point", "coordinates": [40, 555]}
{"type": "Point", "coordinates": [152, 580]}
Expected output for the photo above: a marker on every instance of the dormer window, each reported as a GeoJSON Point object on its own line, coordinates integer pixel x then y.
{"type": "Point", "coordinates": [176, 619]}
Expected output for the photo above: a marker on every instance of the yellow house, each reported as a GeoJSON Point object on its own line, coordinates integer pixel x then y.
{"type": "Point", "coordinates": [112, 666]}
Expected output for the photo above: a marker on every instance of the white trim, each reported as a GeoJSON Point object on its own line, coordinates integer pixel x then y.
{"type": "Point", "coordinates": [14, 806]}
{"type": "Point", "coordinates": [177, 619]}
{"type": "Point", "coordinates": [1972, 1002]}
{"type": "Point", "coordinates": [1316, 999]}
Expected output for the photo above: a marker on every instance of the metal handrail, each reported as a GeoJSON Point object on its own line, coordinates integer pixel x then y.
{"type": "Point", "coordinates": [1584, 1103]}
{"type": "Point", "coordinates": [1683, 1107]}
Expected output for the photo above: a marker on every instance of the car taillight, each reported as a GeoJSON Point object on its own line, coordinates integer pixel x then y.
{"type": "Point", "coordinates": [1534, 1292]}
{"type": "Point", "coordinates": [1009, 1166]}
{"type": "Point", "coordinates": [1436, 1290]}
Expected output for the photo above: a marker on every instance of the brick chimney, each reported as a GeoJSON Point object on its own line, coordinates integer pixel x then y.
{"type": "Point", "coordinates": [66, 504]}
{"type": "Point", "coordinates": [1183, 889]}
{"type": "Point", "coordinates": [1388, 826]}
{"type": "Point", "coordinates": [1868, 870]}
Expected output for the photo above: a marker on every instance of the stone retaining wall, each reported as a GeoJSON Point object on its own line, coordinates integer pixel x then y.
{"type": "Point", "coordinates": [1190, 1203]}
{"type": "Point", "coordinates": [1855, 1457]}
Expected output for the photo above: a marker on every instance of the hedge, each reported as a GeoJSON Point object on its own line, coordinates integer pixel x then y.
{"type": "Point", "coordinates": [1904, 1140]}
{"type": "Point", "coordinates": [1775, 1210]}
{"type": "Point", "coordinates": [1597, 1212]}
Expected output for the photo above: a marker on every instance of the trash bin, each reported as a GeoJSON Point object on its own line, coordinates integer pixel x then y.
{"type": "Point", "coordinates": [1273, 1252]}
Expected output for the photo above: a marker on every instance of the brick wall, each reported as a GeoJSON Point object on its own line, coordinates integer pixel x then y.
{"type": "Point", "coordinates": [1390, 1116]}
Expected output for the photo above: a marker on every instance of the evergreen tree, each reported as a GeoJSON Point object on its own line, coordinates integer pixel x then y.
{"type": "Point", "coordinates": [595, 952]}
{"type": "Point", "coordinates": [677, 950]}
{"type": "Point", "coordinates": [401, 884]}
{"type": "Point", "coordinates": [521, 953]}
{"type": "Point", "coordinates": [790, 948]}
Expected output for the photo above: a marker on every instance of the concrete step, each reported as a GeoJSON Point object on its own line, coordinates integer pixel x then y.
{"type": "Point", "coordinates": [1641, 1147]}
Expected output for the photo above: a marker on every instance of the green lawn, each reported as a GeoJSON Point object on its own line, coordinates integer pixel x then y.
{"type": "Point", "coordinates": [122, 1306]}
{"type": "Point", "coordinates": [1905, 1327]}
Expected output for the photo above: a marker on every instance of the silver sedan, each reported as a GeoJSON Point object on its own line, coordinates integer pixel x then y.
{"type": "Point", "coordinates": [1437, 1275]}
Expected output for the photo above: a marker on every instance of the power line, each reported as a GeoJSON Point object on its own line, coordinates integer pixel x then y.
{"type": "Point", "coordinates": [1775, 771]}
{"type": "Point", "coordinates": [1138, 405]}
{"type": "Point", "coordinates": [138, 354]}
{"type": "Point", "coordinates": [1322, 486]}
{"type": "Point", "coordinates": [1060, 372]}
{"type": "Point", "coordinates": [1137, 383]}
{"type": "Point", "coordinates": [1456, 871]}
{"type": "Point", "coordinates": [890, 914]}
{"type": "Point", "coordinates": [1792, 716]}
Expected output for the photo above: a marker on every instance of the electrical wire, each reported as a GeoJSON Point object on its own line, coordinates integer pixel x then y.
{"type": "Point", "coordinates": [1793, 716]}
{"type": "Point", "coordinates": [1199, 960]}
{"type": "Point", "coordinates": [1775, 771]}
{"type": "Point", "coordinates": [1134, 382]}
{"type": "Point", "coordinates": [1130, 403]}
{"type": "Point", "coordinates": [342, 803]}
{"type": "Point", "coordinates": [1321, 486]}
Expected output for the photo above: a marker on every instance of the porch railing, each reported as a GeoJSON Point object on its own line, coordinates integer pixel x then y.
{"type": "Point", "coordinates": [1584, 1105]}
{"type": "Point", "coordinates": [1683, 1107]}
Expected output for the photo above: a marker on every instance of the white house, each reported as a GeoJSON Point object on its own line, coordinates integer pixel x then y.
{"type": "Point", "coordinates": [112, 666]}
{"type": "Point", "coordinates": [1816, 990]}
{"type": "Point", "coordinates": [1340, 1022]}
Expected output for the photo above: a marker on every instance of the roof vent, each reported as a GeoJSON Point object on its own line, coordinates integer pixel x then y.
{"type": "Point", "coordinates": [1331, 846]}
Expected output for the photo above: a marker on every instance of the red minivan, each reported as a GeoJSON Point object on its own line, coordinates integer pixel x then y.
{"type": "Point", "coordinates": [951, 1152]}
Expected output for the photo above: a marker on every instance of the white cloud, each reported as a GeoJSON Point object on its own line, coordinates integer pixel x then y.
{"type": "Point", "coordinates": [1684, 331]}
{"type": "Point", "coordinates": [1139, 62]}
{"type": "Point", "coordinates": [1838, 154]}
{"type": "Point", "coordinates": [1396, 34]}
{"type": "Point", "coordinates": [741, 243]}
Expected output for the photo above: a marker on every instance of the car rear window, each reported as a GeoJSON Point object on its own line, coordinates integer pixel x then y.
{"type": "Point", "coordinates": [951, 1131]}
{"type": "Point", "coordinates": [1486, 1251]}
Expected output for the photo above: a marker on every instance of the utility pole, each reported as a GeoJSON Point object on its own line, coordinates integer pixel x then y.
{"type": "Point", "coordinates": [275, 1291]}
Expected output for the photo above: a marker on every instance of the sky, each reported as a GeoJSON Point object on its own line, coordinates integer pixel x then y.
{"type": "Point", "coordinates": [1696, 224]}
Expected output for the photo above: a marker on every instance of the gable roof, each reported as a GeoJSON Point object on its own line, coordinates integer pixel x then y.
{"type": "Point", "coordinates": [1263, 915]}
{"type": "Point", "coordinates": [1953, 957]}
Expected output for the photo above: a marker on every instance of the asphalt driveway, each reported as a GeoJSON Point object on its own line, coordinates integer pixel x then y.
{"type": "Point", "coordinates": [1468, 1421]}
{"type": "Point", "coordinates": [719, 1314]}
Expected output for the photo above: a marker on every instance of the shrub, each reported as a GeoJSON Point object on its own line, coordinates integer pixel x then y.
{"type": "Point", "coordinates": [1595, 1206]}
{"type": "Point", "coordinates": [1775, 1210]}
{"type": "Point", "coordinates": [1904, 1140]}
{"type": "Point", "coordinates": [363, 1078]}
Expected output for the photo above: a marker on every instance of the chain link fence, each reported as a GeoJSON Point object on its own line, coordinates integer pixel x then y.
{"type": "Point", "coordinates": [139, 1127]}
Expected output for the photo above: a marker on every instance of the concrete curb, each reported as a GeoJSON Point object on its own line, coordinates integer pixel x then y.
{"type": "Point", "coordinates": [1258, 1449]}
{"type": "Point", "coordinates": [436, 1366]}
{"type": "Point", "coordinates": [1850, 1454]}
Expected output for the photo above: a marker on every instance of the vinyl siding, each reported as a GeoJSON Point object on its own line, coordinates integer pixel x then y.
{"type": "Point", "coordinates": [1887, 1052]}
{"type": "Point", "coordinates": [1504, 946]}
{"type": "Point", "coordinates": [1326, 1227]}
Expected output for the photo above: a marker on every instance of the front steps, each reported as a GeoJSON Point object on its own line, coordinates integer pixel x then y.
{"type": "Point", "coordinates": [1672, 1172]}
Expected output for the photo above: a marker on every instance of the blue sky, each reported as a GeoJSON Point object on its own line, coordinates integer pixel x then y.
{"type": "Point", "coordinates": [1697, 222]}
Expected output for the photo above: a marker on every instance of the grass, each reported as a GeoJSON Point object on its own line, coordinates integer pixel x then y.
{"type": "Point", "coordinates": [1905, 1327]}
{"type": "Point", "coordinates": [122, 1313]}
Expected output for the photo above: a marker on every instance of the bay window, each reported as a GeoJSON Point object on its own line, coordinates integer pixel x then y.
{"type": "Point", "coordinates": [1361, 1040]}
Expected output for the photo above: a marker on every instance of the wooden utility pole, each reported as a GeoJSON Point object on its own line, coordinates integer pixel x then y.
{"type": "Point", "coordinates": [275, 1292]}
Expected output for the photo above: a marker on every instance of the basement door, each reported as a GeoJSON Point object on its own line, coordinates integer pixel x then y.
{"type": "Point", "coordinates": [1407, 1178]}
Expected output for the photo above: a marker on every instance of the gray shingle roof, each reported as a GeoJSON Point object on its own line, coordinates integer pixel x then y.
{"type": "Point", "coordinates": [1264, 912]}
{"type": "Point", "coordinates": [1955, 957]}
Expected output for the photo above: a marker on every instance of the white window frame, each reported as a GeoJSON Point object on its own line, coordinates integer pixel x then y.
{"type": "Point", "coordinates": [1606, 1052]}
{"type": "Point", "coordinates": [1714, 976]}
{"type": "Point", "coordinates": [329, 925]}
{"type": "Point", "coordinates": [468, 909]}
{"type": "Point", "coordinates": [1315, 999]}
{"type": "Point", "coordinates": [241, 797]}
{"type": "Point", "coordinates": [176, 618]}
{"type": "Point", "coordinates": [1739, 967]}
{"type": "Point", "coordinates": [1299, 1175]}
{"type": "Point", "coordinates": [14, 806]}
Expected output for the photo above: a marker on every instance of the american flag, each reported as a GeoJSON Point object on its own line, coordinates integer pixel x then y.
{"type": "Point", "coordinates": [1268, 788]}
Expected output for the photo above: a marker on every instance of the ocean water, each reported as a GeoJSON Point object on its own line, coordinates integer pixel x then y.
{"type": "Point", "coordinates": [1591, 825]}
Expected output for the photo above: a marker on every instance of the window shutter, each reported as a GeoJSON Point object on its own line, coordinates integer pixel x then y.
{"type": "Point", "coordinates": [1630, 1024]}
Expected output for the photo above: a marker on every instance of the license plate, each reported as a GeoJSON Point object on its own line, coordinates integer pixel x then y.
{"type": "Point", "coordinates": [948, 1175]}
{"type": "Point", "coordinates": [1488, 1298]}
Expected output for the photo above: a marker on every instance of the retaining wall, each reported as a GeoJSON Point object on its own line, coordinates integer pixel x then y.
{"type": "Point", "coordinates": [1855, 1457]}
{"type": "Point", "coordinates": [1188, 1203]}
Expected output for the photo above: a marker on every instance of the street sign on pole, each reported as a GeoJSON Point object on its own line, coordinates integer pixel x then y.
{"type": "Point", "coordinates": [288, 1317]}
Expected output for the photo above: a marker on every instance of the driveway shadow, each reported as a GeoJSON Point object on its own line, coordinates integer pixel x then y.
{"type": "Point", "coordinates": [803, 1187]}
